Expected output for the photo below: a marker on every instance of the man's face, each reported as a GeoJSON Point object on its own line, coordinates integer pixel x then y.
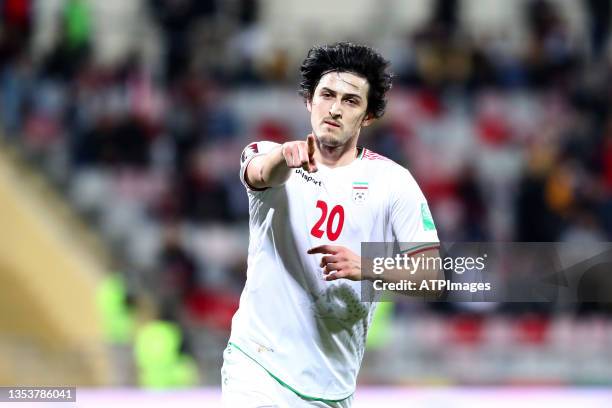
{"type": "Point", "coordinates": [338, 108]}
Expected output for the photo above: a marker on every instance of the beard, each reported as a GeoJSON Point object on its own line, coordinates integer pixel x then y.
{"type": "Point", "coordinates": [330, 140]}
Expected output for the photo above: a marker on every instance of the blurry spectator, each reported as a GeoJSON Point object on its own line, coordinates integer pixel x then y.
{"type": "Point", "coordinates": [441, 48]}
{"type": "Point", "coordinates": [446, 15]}
{"type": "Point", "coordinates": [203, 198]}
{"type": "Point", "coordinates": [599, 22]}
{"type": "Point", "coordinates": [606, 158]}
{"type": "Point", "coordinates": [72, 48]}
{"type": "Point", "coordinates": [176, 278]}
{"type": "Point", "coordinates": [16, 82]}
{"type": "Point", "coordinates": [182, 119]}
{"type": "Point", "coordinates": [248, 47]}
{"type": "Point", "coordinates": [159, 356]}
{"type": "Point", "coordinates": [551, 56]}
{"type": "Point", "coordinates": [384, 140]}
{"type": "Point", "coordinates": [16, 68]}
{"type": "Point", "coordinates": [583, 227]}
{"type": "Point", "coordinates": [475, 210]}
{"type": "Point", "coordinates": [532, 203]}
{"type": "Point", "coordinates": [560, 188]}
{"type": "Point", "coordinates": [605, 207]}
{"type": "Point", "coordinates": [273, 130]}
{"type": "Point", "coordinates": [77, 24]}
{"type": "Point", "coordinates": [115, 141]}
{"type": "Point", "coordinates": [176, 18]}
{"type": "Point", "coordinates": [16, 29]}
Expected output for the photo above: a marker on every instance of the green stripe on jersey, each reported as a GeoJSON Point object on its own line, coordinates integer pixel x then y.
{"type": "Point", "coordinates": [281, 382]}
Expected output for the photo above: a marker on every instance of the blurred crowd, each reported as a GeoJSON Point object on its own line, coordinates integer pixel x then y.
{"type": "Point", "coordinates": [508, 143]}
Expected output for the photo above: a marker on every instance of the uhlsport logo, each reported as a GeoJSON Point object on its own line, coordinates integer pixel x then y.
{"type": "Point", "coordinates": [360, 191]}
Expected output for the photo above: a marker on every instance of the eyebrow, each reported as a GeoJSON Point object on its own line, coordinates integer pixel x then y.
{"type": "Point", "coordinates": [347, 95]}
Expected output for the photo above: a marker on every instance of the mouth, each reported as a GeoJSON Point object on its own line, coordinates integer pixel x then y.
{"type": "Point", "coordinates": [332, 123]}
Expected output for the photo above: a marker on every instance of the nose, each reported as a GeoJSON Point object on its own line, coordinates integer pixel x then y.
{"type": "Point", "coordinates": [335, 111]}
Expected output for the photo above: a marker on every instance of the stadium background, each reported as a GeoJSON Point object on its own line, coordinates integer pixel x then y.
{"type": "Point", "coordinates": [124, 224]}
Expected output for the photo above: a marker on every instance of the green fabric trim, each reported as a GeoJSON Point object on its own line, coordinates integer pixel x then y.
{"type": "Point", "coordinates": [281, 382]}
{"type": "Point", "coordinates": [428, 223]}
{"type": "Point", "coordinates": [433, 245]}
{"type": "Point", "coordinates": [360, 156]}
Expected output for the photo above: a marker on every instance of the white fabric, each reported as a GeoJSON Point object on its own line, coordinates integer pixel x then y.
{"type": "Point", "coordinates": [308, 332]}
{"type": "Point", "coordinates": [245, 384]}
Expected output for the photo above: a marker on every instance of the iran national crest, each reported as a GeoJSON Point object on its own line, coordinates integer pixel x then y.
{"type": "Point", "coordinates": [360, 191]}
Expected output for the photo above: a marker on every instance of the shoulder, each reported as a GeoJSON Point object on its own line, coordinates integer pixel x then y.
{"type": "Point", "coordinates": [369, 155]}
{"type": "Point", "coordinates": [256, 148]}
{"type": "Point", "coordinates": [380, 163]}
{"type": "Point", "coordinates": [398, 177]}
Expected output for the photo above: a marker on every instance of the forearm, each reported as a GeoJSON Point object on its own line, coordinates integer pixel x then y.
{"type": "Point", "coordinates": [268, 170]}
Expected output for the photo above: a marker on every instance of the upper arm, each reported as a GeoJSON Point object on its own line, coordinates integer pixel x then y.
{"type": "Point", "coordinates": [251, 162]}
{"type": "Point", "coordinates": [252, 174]}
{"type": "Point", "coordinates": [411, 221]}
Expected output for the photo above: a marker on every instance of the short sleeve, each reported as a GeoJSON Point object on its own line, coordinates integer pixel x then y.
{"type": "Point", "coordinates": [412, 223]}
{"type": "Point", "coordinates": [253, 150]}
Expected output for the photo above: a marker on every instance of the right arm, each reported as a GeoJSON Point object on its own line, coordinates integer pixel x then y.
{"type": "Point", "coordinates": [274, 168]}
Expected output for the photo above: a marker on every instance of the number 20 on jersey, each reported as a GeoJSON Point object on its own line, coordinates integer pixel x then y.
{"type": "Point", "coordinates": [333, 220]}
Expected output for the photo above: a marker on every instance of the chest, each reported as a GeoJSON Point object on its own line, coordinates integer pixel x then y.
{"type": "Point", "coordinates": [337, 208]}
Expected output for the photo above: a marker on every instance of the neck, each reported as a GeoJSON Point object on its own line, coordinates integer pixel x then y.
{"type": "Point", "coordinates": [336, 156]}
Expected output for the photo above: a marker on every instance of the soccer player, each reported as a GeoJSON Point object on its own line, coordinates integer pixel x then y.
{"type": "Point", "coordinates": [298, 337]}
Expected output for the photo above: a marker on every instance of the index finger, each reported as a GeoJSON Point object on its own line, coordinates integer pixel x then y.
{"type": "Point", "coordinates": [311, 145]}
{"type": "Point", "coordinates": [323, 249]}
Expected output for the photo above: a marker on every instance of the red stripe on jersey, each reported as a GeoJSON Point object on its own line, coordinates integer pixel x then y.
{"type": "Point", "coordinates": [424, 249]}
{"type": "Point", "coordinates": [370, 155]}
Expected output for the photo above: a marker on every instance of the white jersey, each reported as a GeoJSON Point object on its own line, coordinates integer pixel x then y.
{"type": "Point", "coordinates": [308, 333]}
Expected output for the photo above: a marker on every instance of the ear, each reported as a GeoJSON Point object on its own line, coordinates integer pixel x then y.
{"type": "Point", "coordinates": [367, 120]}
{"type": "Point", "coordinates": [309, 105]}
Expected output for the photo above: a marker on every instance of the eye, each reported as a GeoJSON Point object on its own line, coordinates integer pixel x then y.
{"type": "Point", "coordinates": [352, 101]}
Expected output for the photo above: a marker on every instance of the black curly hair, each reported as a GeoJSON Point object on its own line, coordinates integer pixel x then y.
{"type": "Point", "coordinates": [348, 57]}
